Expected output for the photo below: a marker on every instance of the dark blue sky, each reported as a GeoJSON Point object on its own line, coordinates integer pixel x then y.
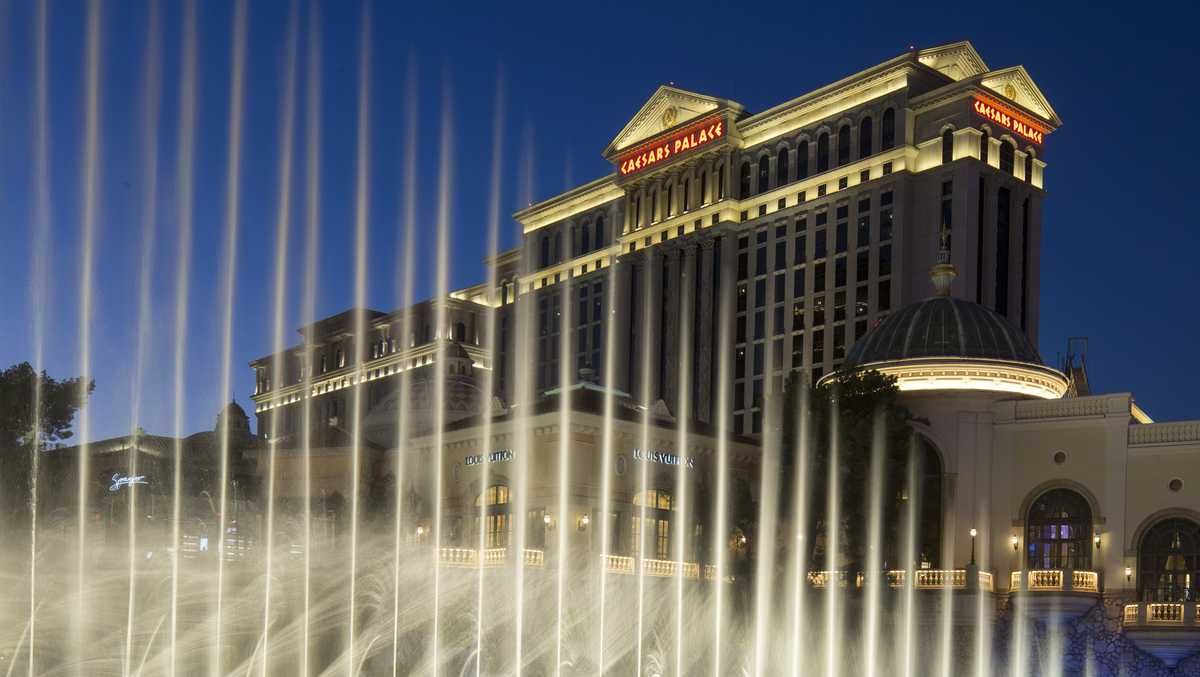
{"type": "Point", "coordinates": [1119, 236]}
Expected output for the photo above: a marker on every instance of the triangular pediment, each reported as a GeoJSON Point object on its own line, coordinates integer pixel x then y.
{"type": "Point", "coordinates": [957, 60]}
{"type": "Point", "coordinates": [1014, 84]}
{"type": "Point", "coordinates": [668, 107]}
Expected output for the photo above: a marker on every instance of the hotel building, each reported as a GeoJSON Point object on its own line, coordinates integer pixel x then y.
{"type": "Point", "coordinates": [811, 229]}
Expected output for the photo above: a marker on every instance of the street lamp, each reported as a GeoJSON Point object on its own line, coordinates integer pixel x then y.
{"type": "Point", "coordinates": [973, 534]}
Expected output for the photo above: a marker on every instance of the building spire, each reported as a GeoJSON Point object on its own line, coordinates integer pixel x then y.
{"type": "Point", "coordinates": [943, 272]}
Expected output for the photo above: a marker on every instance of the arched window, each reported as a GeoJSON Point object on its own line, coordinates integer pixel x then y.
{"type": "Point", "coordinates": [781, 167]}
{"type": "Point", "coordinates": [656, 524]}
{"type": "Point", "coordinates": [653, 206]}
{"type": "Point", "coordinates": [1006, 157]}
{"type": "Point", "coordinates": [1058, 532]}
{"type": "Point", "coordinates": [720, 182]}
{"type": "Point", "coordinates": [1029, 166]}
{"type": "Point", "coordinates": [585, 239]}
{"type": "Point", "coordinates": [637, 212]}
{"type": "Point", "coordinates": [497, 523]}
{"type": "Point", "coordinates": [929, 469]}
{"type": "Point", "coordinates": [670, 201]}
{"type": "Point", "coordinates": [744, 179]}
{"type": "Point", "coordinates": [802, 160]}
{"type": "Point", "coordinates": [599, 241]}
{"type": "Point", "coordinates": [984, 146]}
{"type": "Point", "coordinates": [823, 152]}
{"type": "Point", "coordinates": [865, 133]}
{"type": "Point", "coordinates": [703, 188]}
{"type": "Point", "coordinates": [545, 258]}
{"type": "Point", "coordinates": [685, 196]}
{"type": "Point", "coordinates": [1169, 562]}
{"type": "Point", "coordinates": [843, 145]}
{"type": "Point", "coordinates": [947, 146]}
{"type": "Point", "coordinates": [764, 173]}
{"type": "Point", "coordinates": [556, 250]}
{"type": "Point", "coordinates": [887, 134]}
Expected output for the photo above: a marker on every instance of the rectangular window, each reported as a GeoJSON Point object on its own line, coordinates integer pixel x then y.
{"type": "Point", "coordinates": [780, 287]}
{"type": "Point", "coordinates": [839, 306]}
{"type": "Point", "coordinates": [818, 350]}
{"type": "Point", "coordinates": [758, 361]}
{"type": "Point", "coordinates": [819, 244]}
{"type": "Point", "coordinates": [947, 204]}
{"type": "Point", "coordinates": [760, 261]}
{"type": "Point", "coordinates": [819, 278]}
{"type": "Point", "coordinates": [884, 300]}
{"type": "Point", "coordinates": [739, 361]}
{"type": "Point", "coordinates": [861, 263]}
{"type": "Point", "coordinates": [1003, 209]}
{"type": "Point", "coordinates": [779, 327]}
{"type": "Point", "coordinates": [743, 266]}
{"type": "Point", "coordinates": [885, 225]}
{"type": "Point", "coordinates": [759, 330]}
{"type": "Point", "coordinates": [822, 218]}
{"type": "Point", "coordinates": [839, 272]}
{"type": "Point", "coordinates": [798, 283]}
{"type": "Point", "coordinates": [781, 254]}
{"type": "Point", "coordinates": [760, 293]}
{"type": "Point", "coordinates": [841, 243]}
{"type": "Point", "coordinates": [860, 301]}
{"type": "Point", "coordinates": [741, 297]}
{"type": "Point", "coordinates": [839, 342]}
{"type": "Point", "coordinates": [864, 176]}
{"type": "Point", "coordinates": [798, 316]}
{"type": "Point", "coordinates": [885, 260]}
{"type": "Point", "coordinates": [801, 244]}
{"type": "Point", "coordinates": [818, 311]}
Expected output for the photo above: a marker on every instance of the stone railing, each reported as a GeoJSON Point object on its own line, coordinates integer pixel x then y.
{"type": "Point", "coordinates": [819, 579]}
{"type": "Point", "coordinates": [1085, 581]}
{"type": "Point", "coordinates": [458, 557]}
{"type": "Point", "coordinates": [494, 557]}
{"type": "Point", "coordinates": [534, 558]}
{"type": "Point", "coordinates": [1064, 408]}
{"type": "Point", "coordinates": [939, 579]}
{"type": "Point", "coordinates": [1164, 614]}
{"type": "Point", "coordinates": [1165, 433]}
{"type": "Point", "coordinates": [1055, 580]}
{"type": "Point", "coordinates": [1130, 616]}
{"type": "Point", "coordinates": [618, 564]}
{"type": "Point", "coordinates": [658, 568]}
{"type": "Point", "coordinates": [1160, 613]}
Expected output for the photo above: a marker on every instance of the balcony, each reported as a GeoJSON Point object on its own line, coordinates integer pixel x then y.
{"type": "Point", "coordinates": [657, 568]}
{"type": "Point", "coordinates": [469, 558]}
{"type": "Point", "coordinates": [1167, 631]}
{"type": "Point", "coordinates": [923, 579]}
{"type": "Point", "coordinates": [1056, 595]}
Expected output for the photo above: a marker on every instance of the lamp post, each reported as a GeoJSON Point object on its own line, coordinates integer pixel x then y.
{"type": "Point", "coordinates": [973, 534]}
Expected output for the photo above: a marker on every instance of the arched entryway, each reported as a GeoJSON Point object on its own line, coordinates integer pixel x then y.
{"type": "Point", "coordinates": [497, 519]}
{"type": "Point", "coordinates": [653, 524]}
{"type": "Point", "coordinates": [1058, 531]}
{"type": "Point", "coordinates": [1169, 562]}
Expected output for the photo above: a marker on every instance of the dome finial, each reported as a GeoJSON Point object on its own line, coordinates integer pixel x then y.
{"type": "Point", "coordinates": [943, 273]}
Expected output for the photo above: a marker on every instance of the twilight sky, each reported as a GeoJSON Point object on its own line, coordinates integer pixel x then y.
{"type": "Point", "coordinates": [1117, 228]}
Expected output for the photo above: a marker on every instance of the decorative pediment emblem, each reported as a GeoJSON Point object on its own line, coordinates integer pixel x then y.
{"type": "Point", "coordinates": [667, 108]}
{"type": "Point", "coordinates": [670, 114]}
{"type": "Point", "coordinates": [1015, 85]}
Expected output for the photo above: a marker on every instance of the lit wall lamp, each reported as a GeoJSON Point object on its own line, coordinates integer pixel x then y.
{"type": "Point", "coordinates": [583, 522]}
{"type": "Point", "coordinates": [1096, 540]}
{"type": "Point", "coordinates": [548, 521]}
{"type": "Point", "coordinates": [420, 531]}
{"type": "Point", "coordinates": [1015, 542]}
{"type": "Point", "coordinates": [1128, 574]}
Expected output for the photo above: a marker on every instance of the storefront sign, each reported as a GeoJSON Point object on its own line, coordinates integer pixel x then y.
{"type": "Point", "coordinates": [688, 139]}
{"type": "Point", "coordinates": [494, 457]}
{"type": "Point", "coordinates": [119, 480]}
{"type": "Point", "coordinates": [664, 458]}
{"type": "Point", "coordinates": [1010, 120]}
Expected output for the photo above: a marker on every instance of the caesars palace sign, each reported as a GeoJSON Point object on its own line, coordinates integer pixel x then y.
{"type": "Point", "coordinates": [685, 140]}
{"type": "Point", "coordinates": [1014, 122]}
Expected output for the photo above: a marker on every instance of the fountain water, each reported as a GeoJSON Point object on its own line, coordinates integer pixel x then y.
{"type": "Point", "coordinates": [282, 237]}
{"type": "Point", "coordinates": [183, 178]}
{"type": "Point", "coordinates": [82, 619]}
{"type": "Point", "coordinates": [799, 567]}
{"type": "Point", "coordinates": [833, 527]}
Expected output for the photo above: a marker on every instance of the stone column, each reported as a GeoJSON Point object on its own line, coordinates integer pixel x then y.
{"type": "Point", "coordinates": [651, 334]}
{"type": "Point", "coordinates": [621, 320]}
{"type": "Point", "coordinates": [704, 339]}
{"type": "Point", "coordinates": [670, 332]}
{"type": "Point", "coordinates": [687, 328]}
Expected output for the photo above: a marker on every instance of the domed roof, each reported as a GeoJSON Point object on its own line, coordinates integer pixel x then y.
{"type": "Point", "coordinates": [943, 326]}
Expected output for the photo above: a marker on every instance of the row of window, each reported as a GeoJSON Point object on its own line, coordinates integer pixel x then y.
{"type": "Point", "coordinates": [1007, 153]}
{"type": "Point", "coordinates": [784, 173]}
{"type": "Point", "coordinates": [584, 238]}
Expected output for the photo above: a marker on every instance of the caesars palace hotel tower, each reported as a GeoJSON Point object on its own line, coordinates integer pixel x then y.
{"type": "Point", "coordinates": [807, 222]}
{"type": "Point", "coordinates": [816, 217]}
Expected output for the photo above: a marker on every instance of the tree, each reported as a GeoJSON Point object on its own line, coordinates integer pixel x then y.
{"type": "Point", "coordinates": [860, 400]}
{"type": "Point", "coordinates": [53, 415]}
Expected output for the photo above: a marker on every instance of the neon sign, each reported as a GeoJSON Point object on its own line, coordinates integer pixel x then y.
{"type": "Point", "coordinates": [685, 140]}
{"type": "Point", "coordinates": [1008, 119]}
{"type": "Point", "coordinates": [663, 457]}
{"type": "Point", "coordinates": [494, 457]}
{"type": "Point", "coordinates": [119, 480]}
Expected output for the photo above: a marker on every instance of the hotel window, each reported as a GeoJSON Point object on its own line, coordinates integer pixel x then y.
{"type": "Point", "coordinates": [984, 145]}
{"type": "Point", "coordinates": [1169, 562]}
{"type": "Point", "coordinates": [885, 216]}
{"type": "Point", "coordinates": [1006, 157]}
{"type": "Point", "coordinates": [585, 237]}
{"type": "Point", "coordinates": [703, 188]}
{"type": "Point", "coordinates": [759, 362]}
{"type": "Point", "coordinates": [653, 206]}
{"type": "Point", "coordinates": [801, 242]}
{"type": "Point", "coordinates": [1058, 532]}
{"type": "Point", "coordinates": [781, 253]}
{"type": "Point", "coordinates": [864, 137]}
{"type": "Point", "coordinates": [1024, 263]}
{"type": "Point", "coordinates": [862, 264]}
{"type": "Point", "coordinates": [843, 145]}
{"type": "Point", "coordinates": [599, 242]}
{"type": "Point", "coordinates": [819, 278]}
{"type": "Point", "coordinates": [823, 152]}
{"type": "Point", "coordinates": [497, 524]}
{"type": "Point", "coordinates": [818, 349]}
{"type": "Point", "coordinates": [802, 160]}
{"type": "Point", "coordinates": [1029, 166]}
{"type": "Point", "coordinates": [760, 292]}
{"type": "Point", "coordinates": [839, 272]}
{"type": "Point", "coordinates": [860, 300]}
{"type": "Point", "coordinates": [781, 167]}
{"type": "Point", "coordinates": [637, 212]}
{"type": "Point", "coordinates": [720, 182]}
{"type": "Point", "coordinates": [686, 195]}
{"type": "Point", "coordinates": [764, 173]}
{"type": "Point", "coordinates": [864, 223]}
{"type": "Point", "coordinates": [744, 180]}
{"type": "Point", "coordinates": [545, 258]}
{"type": "Point", "coordinates": [842, 215]}
{"type": "Point", "coordinates": [947, 146]}
{"type": "Point", "coordinates": [652, 521]}
{"type": "Point", "coordinates": [1002, 237]}
{"type": "Point", "coordinates": [819, 244]}
{"type": "Point", "coordinates": [798, 316]}
{"type": "Point", "coordinates": [839, 341]}
{"type": "Point", "coordinates": [798, 284]}
{"type": "Point", "coordinates": [839, 306]}
{"type": "Point", "coordinates": [670, 203]}
{"type": "Point", "coordinates": [947, 207]}
{"type": "Point", "coordinates": [887, 134]}
{"type": "Point", "coordinates": [884, 297]}
{"type": "Point", "coordinates": [885, 260]}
